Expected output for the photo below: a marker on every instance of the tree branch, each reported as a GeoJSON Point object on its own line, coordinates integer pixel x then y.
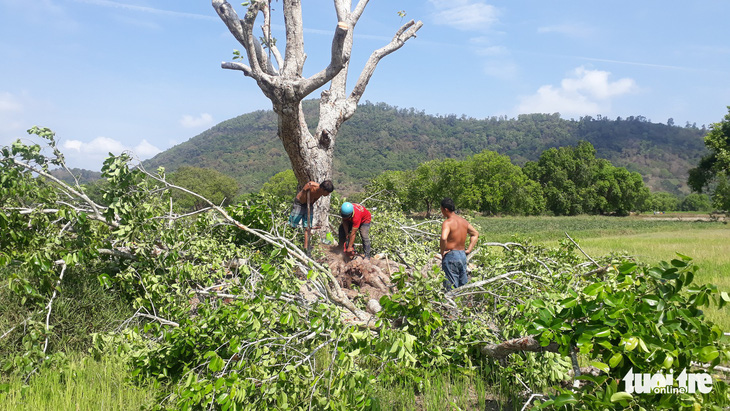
{"type": "Point", "coordinates": [581, 250]}
{"type": "Point", "coordinates": [95, 207]}
{"type": "Point", "coordinates": [407, 31]}
{"type": "Point", "coordinates": [340, 56]}
{"type": "Point", "coordinates": [457, 292]}
{"type": "Point", "coordinates": [50, 303]}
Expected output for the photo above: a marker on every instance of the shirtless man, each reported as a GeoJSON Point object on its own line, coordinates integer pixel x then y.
{"type": "Point", "coordinates": [305, 198]}
{"type": "Point", "coordinates": [453, 237]}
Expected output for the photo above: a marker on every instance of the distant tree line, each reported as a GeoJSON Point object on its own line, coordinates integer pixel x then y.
{"type": "Point", "coordinates": [563, 181]}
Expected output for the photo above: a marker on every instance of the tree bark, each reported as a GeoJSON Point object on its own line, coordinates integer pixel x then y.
{"type": "Point", "coordinates": [310, 154]}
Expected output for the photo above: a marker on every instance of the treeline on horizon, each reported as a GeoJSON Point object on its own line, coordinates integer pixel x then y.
{"type": "Point", "coordinates": [563, 181]}
{"type": "Point", "coordinates": [380, 137]}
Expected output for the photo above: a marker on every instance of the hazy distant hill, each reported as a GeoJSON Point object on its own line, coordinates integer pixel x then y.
{"type": "Point", "coordinates": [82, 175]}
{"type": "Point", "coordinates": [381, 137]}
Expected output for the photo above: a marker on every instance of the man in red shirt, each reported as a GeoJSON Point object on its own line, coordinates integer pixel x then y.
{"type": "Point", "coordinates": [355, 218]}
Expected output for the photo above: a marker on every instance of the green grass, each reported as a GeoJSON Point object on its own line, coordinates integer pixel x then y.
{"type": "Point", "coordinates": [650, 239]}
{"type": "Point", "coordinates": [444, 391]}
{"type": "Point", "coordinates": [548, 230]}
{"type": "Point", "coordinates": [709, 248]}
{"type": "Point", "coordinates": [82, 384]}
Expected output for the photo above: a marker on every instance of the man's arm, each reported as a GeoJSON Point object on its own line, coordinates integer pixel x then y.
{"type": "Point", "coordinates": [445, 231]}
{"type": "Point", "coordinates": [473, 236]}
{"type": "Point", "coordinates": [351, 239]}
{"type": "Point", "coordinates": [310, 186]}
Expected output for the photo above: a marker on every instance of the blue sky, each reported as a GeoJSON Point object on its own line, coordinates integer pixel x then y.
{"type": "Point", "coordinates": [144, 75]}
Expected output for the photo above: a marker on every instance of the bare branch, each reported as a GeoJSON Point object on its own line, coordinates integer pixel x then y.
{"type": "Point", "coordinates": [355, 16]}
{"type": "Point", "coordinates": [406, 32]}
{"type": "Point", "coordinates": [237, 66]}
{"type": "Point", "coordinates": [581, 250]}
{"type": "Point", "coordinates": [340, 56]}
{"type": "Point", "coordinates": [158, 319]}
{"type": "Point", "coordinates": [242, 30]}
{"type": "Point", "coordinates": [294, 52]}
{"type": "Point", "coordinates": [50, 303]}
{"type": "Point", "coordinates": [96, 208]}
{"type": "Point", "coordinates": [457, 292]}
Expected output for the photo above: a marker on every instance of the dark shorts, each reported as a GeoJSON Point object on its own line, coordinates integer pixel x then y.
{"type": "Point", "coordinates": [298, 214]}
{"type": "Point", "coordinates": [454, 266]}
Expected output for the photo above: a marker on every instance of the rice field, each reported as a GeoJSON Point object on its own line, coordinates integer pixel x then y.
{"type": "Point", "coordinates": [649, 239]}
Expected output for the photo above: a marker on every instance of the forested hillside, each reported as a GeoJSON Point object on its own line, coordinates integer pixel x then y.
{"type": "Point", "coordinates": [380, 137]}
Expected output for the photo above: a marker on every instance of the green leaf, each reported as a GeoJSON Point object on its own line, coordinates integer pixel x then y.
{"type": "Point", "coordinates": [684, 257]}
{"type": "Point", "coordinates": [656, 272]}
{"type": "Point", "coordinates": [569, 302]}
{"type": "Point", "coordinates": [601, 366]}
{"type": "Point", "coordinates": [593, 289]}
{"type": "Point", "coordinates": [621, 396]}
{"type": "Point", "coordinates": [652, 300]}
{"type": "Point", "coordinates": [615, 360]}
{"type": "Point", "coordinates": [630, 343]}
{"type": "Point", "coordinates": [627, 267]}
{"type": "Point", "coordinates": [602, 332]}
{"type": "Point", "coordinates": [708, 353]}
{"type": "Point", "coordinates": [564, 399]}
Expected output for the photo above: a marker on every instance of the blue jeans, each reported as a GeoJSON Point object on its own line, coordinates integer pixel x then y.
{"type": "Point", "coordinates": [454, 266]}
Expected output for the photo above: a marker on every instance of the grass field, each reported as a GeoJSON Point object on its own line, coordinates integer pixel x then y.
{"type": "Point", "coordinates": [82, 384]}
{"type": "Point", "coordinates": [649, 239]}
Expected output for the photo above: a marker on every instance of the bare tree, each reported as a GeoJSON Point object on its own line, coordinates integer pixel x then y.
{"type": "Point", "coordinates": [282, 82]}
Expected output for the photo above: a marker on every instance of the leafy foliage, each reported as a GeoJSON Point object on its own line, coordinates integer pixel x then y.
{"type": "Point", "coordinates": [646, 318]}
{"type": "Point", "coordinates": [229, 315]}
{"type": "Point", "coordinates": [716, 164]}
{"type": "Point", "coordinates": [575, 182]}
{"type": "Point", "coordinates": [211, 184]}
{"type": "Point", "coordinates": [565, 181]}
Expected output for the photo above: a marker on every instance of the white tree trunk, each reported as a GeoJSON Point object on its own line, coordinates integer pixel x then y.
{"type": "Point", "coordinates": [310, 155]}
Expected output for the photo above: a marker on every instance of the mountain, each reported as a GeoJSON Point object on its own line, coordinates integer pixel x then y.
{"type": "Point", "coordinates": [82, 175]}
{"type": "Point", "coordinates": [381, 137]}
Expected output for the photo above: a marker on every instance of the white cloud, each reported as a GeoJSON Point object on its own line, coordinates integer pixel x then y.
{"type": "Point", "coordinates": [465, 14]}
{"type": "Point", "coordinates": [97, 146]}
{"type": "Point", "coordinates": [145, 149]}
{"type": "Point", "coordinates": [90, 155]}
{"type": "Point", "coordinates": [587, 92]}
{"type": "Point", "coordinates": [189, 121]}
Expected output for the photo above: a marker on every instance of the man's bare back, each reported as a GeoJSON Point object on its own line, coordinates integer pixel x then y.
{"type": "Point", "coordinates": [315, 193]}
{"type": "Point", "coordinates": [454, 231]}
